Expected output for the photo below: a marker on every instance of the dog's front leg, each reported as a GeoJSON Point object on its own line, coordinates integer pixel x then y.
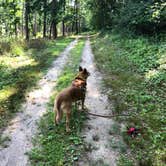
{"type": "Point", "coordinates": [82, 101]}
{"type": "Point", "coordinates": [76, 105]}
{"type": "Point", "coordinates": [68, 113]}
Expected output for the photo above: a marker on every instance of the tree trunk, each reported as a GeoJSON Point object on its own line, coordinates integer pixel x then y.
{"type": "Point", "coordinates": [15, 19]}
{"type": "Point", "coordinates": [76, 19]}
{"type": "Point", "coordinates": [15, 29]}
{"type": "Point", "coordinates": [63, 28]}
{"type": "Point", "coordinates": [72, 27]}
{"type": "Point", "coordinates": [63, 22]}
{"type": "Point", "coordinates": [27, 19]}
{"type": "Point", "coordinates": [22, 20]}
{"type": "Point", "coordinates": [44, 19]}
{"type": "Point", "coordinates": [50, 31]}
{"type": "Point", "coordinates": [35, 25]}
{"type": "Point", "coordinates": [54, 21]}
{"type": "Point", "coordinates": [54, 29]}
{"type": "Point", "coordinates": [79, 25]}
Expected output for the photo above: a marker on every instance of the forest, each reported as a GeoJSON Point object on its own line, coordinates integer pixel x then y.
{"type": "Point", "coordinates": [127, 39]}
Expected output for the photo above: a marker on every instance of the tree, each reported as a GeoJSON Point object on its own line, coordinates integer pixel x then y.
{"type": "Point", "coordinates": [44, 18]}
{"type": "Point", "coordinates": [53, 26]}
{"type": "Point", "coordinates": [76, 6]}
{"type": "Point", "coordinates": [27, 12]}
{"type": "Point", "coordinates": [10, 17]}
{"type": "Point", "coordinates": [63, 16]}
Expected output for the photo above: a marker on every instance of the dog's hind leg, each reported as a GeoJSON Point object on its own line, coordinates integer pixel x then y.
{"type": "Point", "coordinates": [55, 112]}
{"type": "Point", "coordinates": [68, 114]}
{"type": "Point", "coordinates": [57, 115]}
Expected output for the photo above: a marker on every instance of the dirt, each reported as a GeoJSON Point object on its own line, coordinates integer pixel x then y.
{"type": "Point", "coordinates": [96, 133]}
{"type": "Point", "coordinates": [24, 125]}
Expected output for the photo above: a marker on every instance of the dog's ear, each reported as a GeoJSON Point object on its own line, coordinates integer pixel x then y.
{"type": "Point", "coordinates": [85, 71]}
{"type": "Point", "coordinates": [80, 68]}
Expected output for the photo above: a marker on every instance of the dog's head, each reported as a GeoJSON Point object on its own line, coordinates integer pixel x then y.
{"type": "Point", "coordinates": [83, 74]}
{"type": "Point", "coordinates": [80, 79]}
{"type": "Point", "coordinates": [79, 83]}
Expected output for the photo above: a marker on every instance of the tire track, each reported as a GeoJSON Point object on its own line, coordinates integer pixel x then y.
{"type": "Point", "coordinates": [96, 132]}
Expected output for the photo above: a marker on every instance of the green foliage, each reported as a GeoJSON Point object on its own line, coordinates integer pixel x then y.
{"type": "Point", "coordinates": [100, 13]}
{"type": "Point", "coordinates": [10, 16]}
{"type": "Point", "coordinates": [135, 71]}
{"type": "Point", "coordinates": [4, 141]}
{"type": "Point", "coordinates": [145, 16]}
{"type": "Point", "coordinates": [41, 17]}
{"type": "Point", "coordinates": [124, 161]}
{"type": "Point", "coordinates": [53, 146]}
{"type": "Point", "coordinates": [12, 46]}
{"type": "Point", "coordinates": [118, 145]}
{"type": "Point", "coordinates": [79, 15]}
{"type": "Point", "coordinates": [138, 16]}
{"type": "Point", "coordinates": [20, 68]}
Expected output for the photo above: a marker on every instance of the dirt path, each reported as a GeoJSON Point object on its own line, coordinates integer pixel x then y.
{"type": "Point", "coordinates": [23, 126]}
{"type": "Point", "coordinates": [96, 132]}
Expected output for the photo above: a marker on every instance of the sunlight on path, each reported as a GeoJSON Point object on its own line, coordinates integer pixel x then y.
{"type": "Point", "coordinates": [98, 127]}
{"type": "Point", "coordinates": [23, 126]}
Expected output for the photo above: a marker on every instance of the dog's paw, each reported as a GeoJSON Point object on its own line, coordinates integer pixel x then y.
{"type": "Point", "coordinates": [56, 123]}
{"type": "Point", "coordinates": [84, 108]}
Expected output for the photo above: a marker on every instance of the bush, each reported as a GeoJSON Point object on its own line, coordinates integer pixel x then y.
{"type": "Point", "coordinates": [4, 47]}
{"type": "Point", "coordinates": [37, 43]}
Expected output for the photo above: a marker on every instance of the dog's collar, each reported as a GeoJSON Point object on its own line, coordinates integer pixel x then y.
{"type": "Point", "coordinates": [83, 88]}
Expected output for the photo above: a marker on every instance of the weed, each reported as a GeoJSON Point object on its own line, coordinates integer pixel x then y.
{"type": "Point", "coordinates": [4, 140]}
{"type": "Point", "coordinates": [125, 161]}
{"type": "Point", "coordinates": [118, 144]}
{"type": "Point", "coordinates": [115, 129]}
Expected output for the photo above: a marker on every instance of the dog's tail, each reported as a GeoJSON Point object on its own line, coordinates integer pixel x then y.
{"type": "Point", "coordinates": [57, 110]}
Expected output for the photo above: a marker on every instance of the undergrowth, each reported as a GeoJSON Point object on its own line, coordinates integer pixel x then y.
{"type": "Point", "coordinates": [134, 68]}
{"type": "Point", "coordinates": [21, 65]}
{"type": "Point", "coordinates": [52, 145]}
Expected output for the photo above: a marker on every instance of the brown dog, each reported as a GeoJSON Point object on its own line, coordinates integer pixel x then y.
{"type": "Point", "coordinates": [66, 97]}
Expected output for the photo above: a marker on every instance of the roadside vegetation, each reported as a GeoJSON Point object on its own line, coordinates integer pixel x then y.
{"type": "Point", "coordinates": [134, 68]}
{"type": "Point", "coordinates": [22, 64]}
{"type": "Point", "coordinates": [52, 145]}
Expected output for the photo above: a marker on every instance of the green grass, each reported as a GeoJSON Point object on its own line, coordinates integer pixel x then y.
{"type": "Point", "coordinates": [124, 160]}
{"type": "Point", "coordinates": [118, 145]}
{"type": "Point", "coordinates": [21, 66]}
{"type": "Point", "coordinates": [134, 67]}
{"type": "Point", "coordinates": [52, 145]}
